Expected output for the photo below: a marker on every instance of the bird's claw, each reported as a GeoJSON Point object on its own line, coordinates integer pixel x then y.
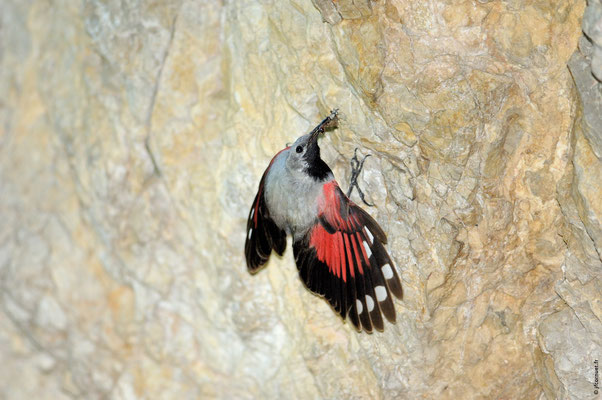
{"type": "Point", "coordinates": [356, 168]}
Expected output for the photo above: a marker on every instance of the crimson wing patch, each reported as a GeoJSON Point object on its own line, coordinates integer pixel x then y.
{"type": "Point", "coordinates": [262, 233]}
{"type": "Point", "coordinates": [343, 259]}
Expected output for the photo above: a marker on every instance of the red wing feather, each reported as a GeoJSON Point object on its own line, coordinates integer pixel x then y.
{"type": "Point", "coordinates": [343, 258]}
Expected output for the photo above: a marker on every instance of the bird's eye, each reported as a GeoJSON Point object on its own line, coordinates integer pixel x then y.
{"type": "Point", "coordinates": [299, 149]}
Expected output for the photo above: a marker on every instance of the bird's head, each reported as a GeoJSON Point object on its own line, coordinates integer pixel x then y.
{"type": "Point", "coordinates": [304, 154]}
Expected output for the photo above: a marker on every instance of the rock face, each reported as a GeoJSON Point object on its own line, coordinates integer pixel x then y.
{"type": "Point", "coordinates": [132, 139]}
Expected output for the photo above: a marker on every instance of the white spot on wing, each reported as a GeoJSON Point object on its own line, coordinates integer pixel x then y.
{"type": "Point", "coordinates": [359, 306]}
{"type": "Point", "coordinates": [387, 271]}
{"type": "Point", "coordinates": [367, 248]}
{"type": "Point", "coordinates": [252, 213]}
{"type": "Point", "coordinates": [370, 235]}
{"type": "Point", "coordinates": [250, 232]}
{"type": "Point", "coordinates": [381, 293]}
{"type": "Point", "coordinates": [369, 303]}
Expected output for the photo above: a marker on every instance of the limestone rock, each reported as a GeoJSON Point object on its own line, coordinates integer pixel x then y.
{"type": "Point", "coordinates": [132, 139]}
{"type": "Point", "coordinates": [592, 27]}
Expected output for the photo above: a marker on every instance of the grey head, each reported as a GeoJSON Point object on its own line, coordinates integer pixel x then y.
{"type": "Point", "coordinates": [304, 154]}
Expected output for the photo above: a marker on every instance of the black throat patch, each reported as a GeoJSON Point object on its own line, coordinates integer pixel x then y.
{"type": "Point", "coordinates": [316, 168]}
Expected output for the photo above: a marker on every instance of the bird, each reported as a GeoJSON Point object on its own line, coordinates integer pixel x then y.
{"type": "Point", "coordinates": [338, 247]}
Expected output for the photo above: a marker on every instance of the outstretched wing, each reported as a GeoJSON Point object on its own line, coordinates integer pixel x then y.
{"type": "Point", "coordinates": [262, 233]}
{"type": "Point", "coordinates": [343, 259]}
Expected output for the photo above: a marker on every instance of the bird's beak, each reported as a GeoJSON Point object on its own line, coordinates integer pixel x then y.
{"type": "Point", "coordinates": [328, 122]}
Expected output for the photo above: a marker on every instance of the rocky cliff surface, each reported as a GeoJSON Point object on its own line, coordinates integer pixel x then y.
{"type": "Point", "coordinates": [132, 139]}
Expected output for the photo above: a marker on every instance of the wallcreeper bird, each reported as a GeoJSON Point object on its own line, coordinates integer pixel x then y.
{"type": "Point", "coordinates": [339, 249]}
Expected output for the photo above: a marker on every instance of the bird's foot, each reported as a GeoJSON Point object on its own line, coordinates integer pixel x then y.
{"type": "Point", "coordinates": [356, 168]}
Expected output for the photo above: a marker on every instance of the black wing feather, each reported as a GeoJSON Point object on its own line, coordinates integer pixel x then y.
{"type": "Point", "coordinates": [362, 281]}
{"type": "Point", "coordinates": [263, 235]}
